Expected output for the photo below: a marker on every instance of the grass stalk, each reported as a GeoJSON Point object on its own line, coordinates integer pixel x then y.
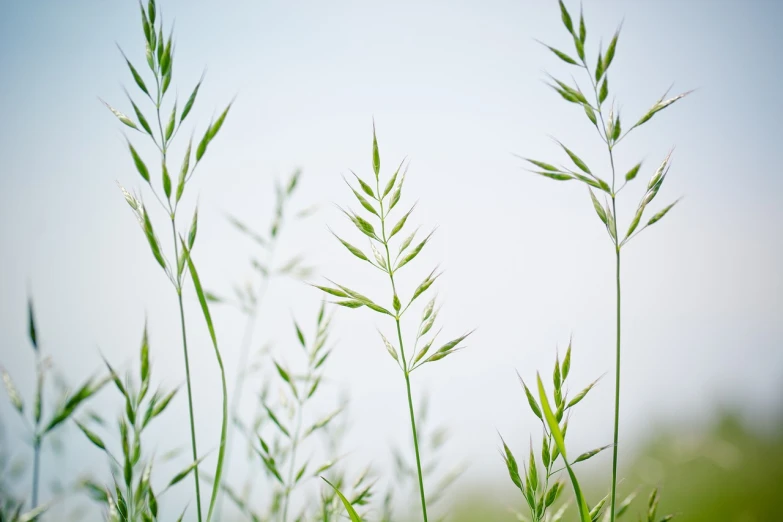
{"type": "Point", "coordinates": [252, 314]}
{"type": "Point", "coordinates": [405, 368]}
{"type": "Point", "coordinates": [618, 323]}
{"type": "Point", "coordinates": [415, 436]}
{"type": "Point", "coordinates": [239, 384]}
{"type": "Point", "coordinates": [36, 470]}
{"type": "Point", "coordinates": [160, 56]}
{"type": "Point", "coordinates": [383, 261]}
{"type": "Point", "coordinates": [616, 392]}
{"type": "Point", "coordinates": [193, 444]}
{"type": "Point", "coordinates": [37, 420]}
{"type": "Point", "coordinates": [605, 117]}
{"type": "Point", "coordinates": [294, 447]}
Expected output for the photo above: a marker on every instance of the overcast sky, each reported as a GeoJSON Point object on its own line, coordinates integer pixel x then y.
{"type": "Point", "coordinates": [456, 87]}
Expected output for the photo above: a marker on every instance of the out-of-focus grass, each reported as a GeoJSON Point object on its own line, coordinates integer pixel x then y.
{"type": "Point", "coordinates": [726, 473]}
{"type": "Point", "coordinates": [729, 473]}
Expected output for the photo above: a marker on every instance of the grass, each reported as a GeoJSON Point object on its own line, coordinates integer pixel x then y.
{"type": "Point", "coordinates": [609, 127]}
{"type": "Point", "coordinates": [160, 59]}
{"type": "Point", "coordinates": [134, 496]}
{"type": "Point", "coordinates": [281, 437]}
{"type": "Point", "coordinates": [378, 208]}
{"type": "Point", "coordinates": [249, 300]}
{"type": "Point", "coordinates": [41, 426]}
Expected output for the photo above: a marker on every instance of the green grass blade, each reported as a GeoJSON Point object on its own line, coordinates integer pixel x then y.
{"type": "Point", "coordinates": [554, 428]}
{"type": "Point", "coordinates": [348, 507]}
{"type": "Point", "coordinates": [224, 425]}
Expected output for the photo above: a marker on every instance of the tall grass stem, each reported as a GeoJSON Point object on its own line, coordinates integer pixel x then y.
{"type": "Point", "coordinates": [616, 392]}
{"type": "Point", "coordinates": [36, 470]}
{"type": "Point", "coordinates": [406, 371]}
{"type": "Point", "coordinates": [193, 445]}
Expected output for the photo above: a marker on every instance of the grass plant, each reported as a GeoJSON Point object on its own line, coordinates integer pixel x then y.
{"type": "Point", "coordinates": [378, 205]}
{"type": "Point", "coordinates": [606, 119]}
{"type": "Point", "coordinates": [250, 297]}
{"type": "Point", "coordinates": [161, 133]}
{"type": "Point", "coordinates": [131, 496]}
{"type": "Point", "coordinates": [283, 436]}
{"type": "Point", "coordinates": [39, 424]}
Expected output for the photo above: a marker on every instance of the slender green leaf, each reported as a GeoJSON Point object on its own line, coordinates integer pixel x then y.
{"type": "Point", "coordinates": [94, 438]}
{"type": "Point", "coordinates": [215, 127]}
{"type": "Point", "coordinates": [140, 166]}
{"type": "Point", "coordinates": [531, 400]}
{"type": "Point", "coordinates": [171, 124]}
{"type": "Point", "coordinates": [577, 161]}
{"type": "Point", "coordinates": [31, 330]}
{"type": "Point", "coordinates": [631, 174]}
{"type": "Point", "coordinates": [362, 201]}
{"type": "Point", "coordinates": [224, 424]}
{"type": "Point", "coordinates": [191, 100]}
{"type": "Point", "coordinates": [659, 106]}
{"type": "Point", "coordinates": [277, 422]}
{"type": "Point", "coordinates": [185, 472]}
{"type": "Point", "coordinates": [581, 395]}
{"type": "Point", "coordinates": [401, 223]}
{"type": "Point", "coordinates": [557, 435]}
{"type": "Point", "coordinates": [599, 68]}
{"type": "Point", "coordinates": [142, 120]}
{"type": "Point", "coordinates": [376, 156]}
{"type": "Point", "coordinates": [611, 50]}
{"type": "Point", "coordinates": [331, 291]}
{"type": "Point", "coordinates": [184, 171]}
{"type": "Point", "coordinates": [166, 181]}
{"type": "Point", "coordinates": [511, 465]}
{"type": "Point", "coordinates": [589, 454]}
{"type": "Point", "coordinates": [392, 181]}
{"type": "Point", "coordinates": [555, 176]}
{"type": "Point", "coordinates": [120, 116]}
{"type": "Point", "coordinates": [348, 507]}
{"type": "Point", "coordinates": [657, 217]}
{"type": "Point", "coordinates": [598, 208]}
{"type": "Point", "coordinates": [566, 17]}
{"type": "Point", "coordinates": [413, 253]}
{"type": "Point", "coordinates": [136, 76]}
{"type": "Point", "coordinates": [152, 239]}
{"type": "Point", "coordinates": [560, 54]}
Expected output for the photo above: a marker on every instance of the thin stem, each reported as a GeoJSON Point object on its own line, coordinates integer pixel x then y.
{"type": "Point", "coordinates": [617, 353]}
{"type": "Point", "coordinates": [36, 469]}
{"type": "Point", "coordinates": [36, 429]}
{"type": "Point", "coordinates": [404, 364]}
{"type": "Point", "coordinates": [187, 380]}
{"type": "Point", "coordinates": [617, 244]}
{"type": "Point", "coordinates": [413, 429]}
{"type": "Point", "coordinates": [616, 390]}
{"type": "Point", "coordinates": [294, 446]}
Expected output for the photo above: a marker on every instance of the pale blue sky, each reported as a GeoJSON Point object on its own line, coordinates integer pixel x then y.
{"type": "Point", "coordinates": [456, 86]}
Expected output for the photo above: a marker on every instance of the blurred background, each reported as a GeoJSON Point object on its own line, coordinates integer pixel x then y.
{"type": "Point", "coordinates": [457, 88]}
